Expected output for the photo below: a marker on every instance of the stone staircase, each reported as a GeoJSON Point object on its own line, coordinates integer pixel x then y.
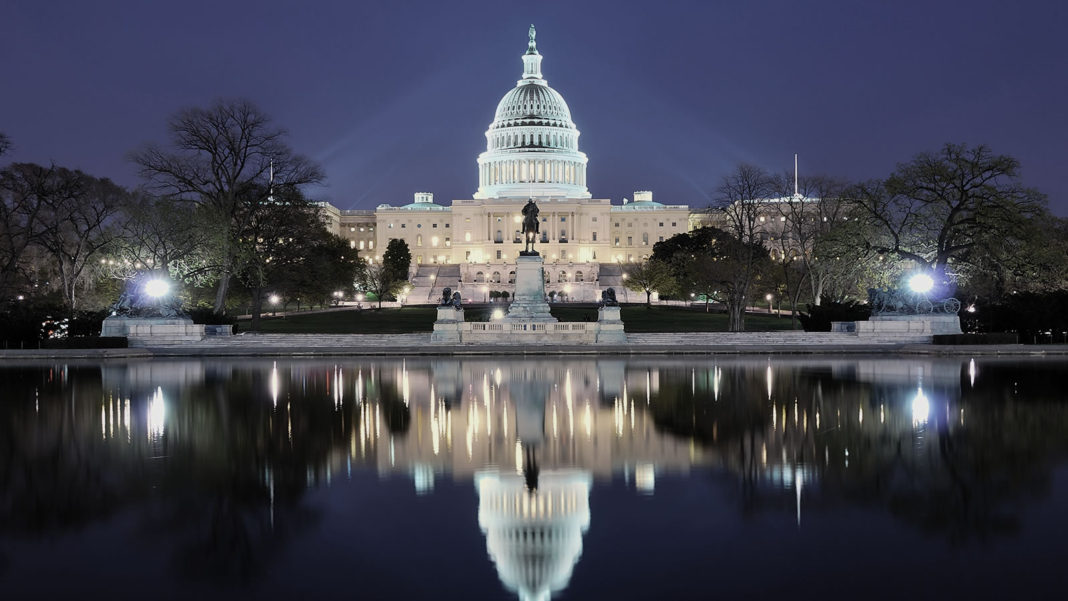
{"type": "Point", "coordinates": [430, 280]}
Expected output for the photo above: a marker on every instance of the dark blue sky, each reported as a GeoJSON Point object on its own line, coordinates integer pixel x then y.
{"type": "Point", "coordinates": [393, 97]}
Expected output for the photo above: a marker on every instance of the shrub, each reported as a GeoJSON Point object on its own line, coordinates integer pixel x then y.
{"type": "Point", "coordinates": [819, 317]}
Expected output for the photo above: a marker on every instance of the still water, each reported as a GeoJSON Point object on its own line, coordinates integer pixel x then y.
{"type": "Point", "coordinates": [506, 478]}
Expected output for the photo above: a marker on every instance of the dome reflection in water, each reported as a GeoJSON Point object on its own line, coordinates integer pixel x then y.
{"type": "Point", "coordinates": [532, 478]}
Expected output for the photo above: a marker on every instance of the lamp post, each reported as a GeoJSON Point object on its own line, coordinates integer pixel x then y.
{"type": "Point", "coordinates": [485, 294]}
{"type": "Point", "coordinates": [769, 298]}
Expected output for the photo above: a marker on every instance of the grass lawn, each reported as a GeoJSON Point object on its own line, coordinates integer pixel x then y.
{"type": "Point", "coordinates": [421, 319]}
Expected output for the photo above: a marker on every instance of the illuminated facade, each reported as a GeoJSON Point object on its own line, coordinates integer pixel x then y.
{"type": "Point", "coordinates": [532, 151]}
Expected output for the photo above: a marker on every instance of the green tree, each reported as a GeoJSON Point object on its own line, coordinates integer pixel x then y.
{"type": "Point", "coordinates": [397, 261]}
{"type": "Point", "coordinates": [949, 209]}
{"type": "Point", "coordinates": [377, 280]}
{"type": "Point", "coordinates": [222, 158]}
{"type": "Point", "coordinates": [648, 276]}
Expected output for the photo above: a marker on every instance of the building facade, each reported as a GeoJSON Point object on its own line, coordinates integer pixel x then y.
{"type": "Point", "coordinates": [532, 151]}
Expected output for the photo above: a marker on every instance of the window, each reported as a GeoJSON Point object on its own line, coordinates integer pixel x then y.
{"type": "Point", "coordinates": [498, 257]}
{"type": "Point", "coordinates": [498, 220]}
{"type": "Point", "coordinates": [497, 275]}
{"type": "Point", "coordinates": [617, 224]}
{"type": "Point", "coordinates": [511, 277]}
{"type": "Point", "coordinates": [562, 277]}
{"type": "Point", "coordinates": [661, 239]}
{"type": "Point", "coordinates": [595, 219]}
{"type": "Point", "coordinates": [352, 229]}
{"type": "Point", "coordinates": [630, 240]}
{"type": "Point", "coordinates": [467, 257]}
{"type": "Point", "coordinates": [661, 224]}
{"type": "Point", "coordinates": [480, 277]}
{"type": "Point", "coordinates": [617, 240]}
{"type": "Point", "coordinates": [645, 238]}
{"type": "Point", "coordinates": [448, 241]}
{"type": "Point", "coordinates": [419, 240]}
{"type": "Point", "coordinates": [403, 226]}
{"type": "Point", "coordinates": [447, 225]}
{"type": "Point", "coordinates": [391, 226]}
{"type": "Point", "coordinates": [467, 236]}
{"type": "Point", "coordinates": [594, 236]}
{"type": "Point", "coordinates": [434, 226]}
{"type": "Point", "coordinates": [361, 229]}
{"type": "Point", "coordinates": [419, 225]}
{"type": "Point", "coordinates": [419, 259]}
{"type": "Point", "coordinates": [578, 276]}
{"type": "Point", "coordinates": [352, 244]}
{"type": "Point", "coordinates": [563, 235]}
{"type": "Point", "coordinates": [563, 220]}
{"type": "Point", "coordinates": [361, 244]}
{"type": "Point", "coordinates": [499, 238]}
{"type": "Point", "coordinates": [672, 224]}
{"type": "Point", "coordinates": [371, 244]}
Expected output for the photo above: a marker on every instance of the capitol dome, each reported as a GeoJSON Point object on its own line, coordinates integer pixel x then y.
{"type": "Point", "coordinates": [532, 144]}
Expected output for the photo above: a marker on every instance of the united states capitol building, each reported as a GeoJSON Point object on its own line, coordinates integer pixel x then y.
{"type": "Point", "coordinates": [532, 151]}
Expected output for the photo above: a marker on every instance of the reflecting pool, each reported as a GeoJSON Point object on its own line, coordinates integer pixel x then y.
{"type": "Point", "coordinates": [535, 478]}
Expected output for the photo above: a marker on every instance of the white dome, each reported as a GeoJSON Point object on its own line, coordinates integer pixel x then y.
{"type": "Point", "coordinates": [533, 102]}
{"type": "Point", "coordinates": [532, 144]}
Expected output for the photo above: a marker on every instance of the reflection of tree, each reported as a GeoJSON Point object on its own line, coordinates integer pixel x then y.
{"type": "Point", "coordinates": [223, 483]}
{"type": "Point", "coordinates": [395, 411]}
{"type": "Point", "coordinates": [961, 479]}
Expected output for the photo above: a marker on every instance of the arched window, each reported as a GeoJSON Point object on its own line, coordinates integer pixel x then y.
{"type": "Point", "coordinates": [496, 277]}
{"type": "Point", "coordinates": [562, 277]}
{"type": "Point", "coordinates": [511, 277]}
{"type": "Point", "coordinates": [419, 240]}
{"type": "Point", "coordinates": [480, 277]}
{"type": "Point", "coordinates": [499, 237]}
{"type": "Point", "coordinates": [578, 276]}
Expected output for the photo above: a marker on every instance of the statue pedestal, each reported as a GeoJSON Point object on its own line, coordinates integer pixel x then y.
{"type": "Point", "coordinates": [908, 326]}
{"type": "Point", "coordinates": [528, 303]}
{"type": "Point", "coordinates": [153, 331]}
{"type": "Point", "coordinates": [610, 326]}
{"type": "Point", "coordinates": [448, 324]}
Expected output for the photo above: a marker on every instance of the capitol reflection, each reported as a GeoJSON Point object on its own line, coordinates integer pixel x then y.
{"type": "Point", "coordinates": [534, 438]}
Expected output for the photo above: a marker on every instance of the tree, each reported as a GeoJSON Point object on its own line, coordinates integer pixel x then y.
{"type": "Point", "coordinates": [947, 209]}
{"type": "Point", "coordinates": [5, 144]}
{"type": "Point", "coordinates": [378, 280]}
{"type": "Point", "coordinates": [73, 217]}
{"type": "Point", "coordinates": [171, 237]}
{"type": "Point", "coordinates": [648, 276]}
{"type": "Point", "coordinates": [743, 196]}
{"type": "Point", "coordinates": [222, 160]}
{"type": "Point", "coordinates": [397, 260]}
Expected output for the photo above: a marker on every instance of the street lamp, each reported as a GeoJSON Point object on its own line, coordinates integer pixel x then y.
{"type": "Point", "coordinates": [921, 283]}
{"type": "Point", "coordinates": [769, 298]}
{"type": "Point", "coordinates": [485, 294]}
{"type": "Point", "coordinates": [157, 288]}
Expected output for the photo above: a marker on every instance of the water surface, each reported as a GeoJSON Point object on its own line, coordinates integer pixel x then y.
{"type": "Point", "coordinates": [505, 478]}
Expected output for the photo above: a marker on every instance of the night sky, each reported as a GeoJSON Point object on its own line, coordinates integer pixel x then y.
{"type": "Point", "coordinates": [394, 97]}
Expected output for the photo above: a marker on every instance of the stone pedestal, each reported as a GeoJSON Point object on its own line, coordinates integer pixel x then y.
{"type": "Point", "coordinates": [528, 303]}
{"type": "Point", "coordinates": [610, 328]}
{"type": "Point", "coordinates": [930, 324]}
{"type": "Point", "coordinates": [448, 324]}
{"type": "Point", "coordinates": [153, 331]}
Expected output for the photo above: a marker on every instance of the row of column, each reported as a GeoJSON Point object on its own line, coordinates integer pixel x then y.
{"type": "Point", "coordinates": [532, 170]}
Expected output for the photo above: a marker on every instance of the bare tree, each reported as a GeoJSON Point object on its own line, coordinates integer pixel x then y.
{"type": "Point", "coordinates": [81, 219]}
{"type": "Point", "coordinates": [221, 159]}
{"type": "Point", "coordinates": [743, 198]}
{"type": "Point", "coordinates": [379, 279]}
{"type": "Point", "coordinates": [26, 193]}
{"type": "Point", "coordinates": [5, 144]}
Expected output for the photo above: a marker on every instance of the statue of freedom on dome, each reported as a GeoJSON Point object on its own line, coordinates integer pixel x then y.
{"type": "Point", "coordinates": [530, 227]}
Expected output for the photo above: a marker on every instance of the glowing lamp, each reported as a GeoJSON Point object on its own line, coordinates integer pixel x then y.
{"type": "Point", "coordinates": [157, 288]}
{"type": "Point", "coordinates": [497, 315]}
{"type": "Point", "coordinates": [921, 283]}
